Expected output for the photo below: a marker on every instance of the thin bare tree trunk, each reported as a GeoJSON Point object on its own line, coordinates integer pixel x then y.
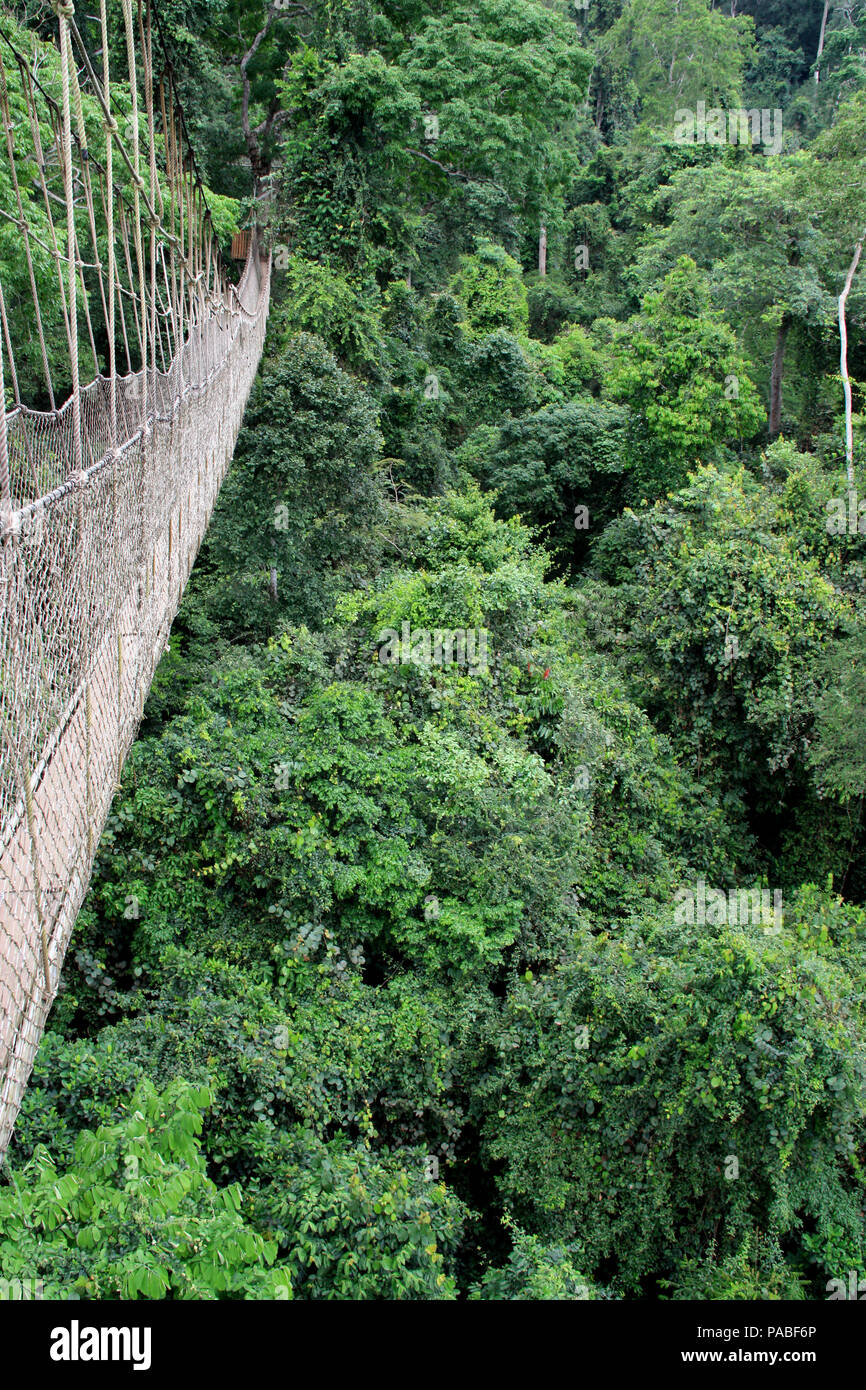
{"type": "Point", "coordinates": [821, 39]}
{"type": "Point", "coordinates": [775, 418]}
{"type": "Point", "coordinates": [255, 136]}
{"type": "Point", "coordinates": [542, 251]}
{"type": "Point", "coordinates": [846, 380]}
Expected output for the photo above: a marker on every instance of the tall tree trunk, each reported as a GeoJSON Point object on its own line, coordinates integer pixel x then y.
{"type": "Point", "coordinates": [821, 39]}
{"type": "Point", "coordinates": [599, 106]}
{"type": "Point", "coordinates": [542, 251]}
{"type": "Point", "coordinates": [846, 380]}
{"type": "Point", "coordinates": [775, 418]}
{"type": "Point", "coordinates": [254, 135]}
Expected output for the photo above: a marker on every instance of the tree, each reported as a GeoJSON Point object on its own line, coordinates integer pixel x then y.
{"type": "Point", "coordinates": [358, 1225]}
{"type": "Point", "coordinates": [679, 52]}
{"type": "Point", "coordinates": [840, 64]}
{"type": "Point", "coordinates": [345, 163]}
{"type": "Point", "coordinates": [728, 616]}
{"type": "Point", "coordinates": [663, 1094]}
{"type": "Point", "coordinates": [458, 129]}
{"type": "Point", "coordinates": [306, 470]}
{"type": "Point", "coordinates": [841, 186]}
{"type": "Point", "coordinates": [679, 368]}
{"type": "Point", "coordinates": [246, 47]}
{"type": "Point", "coordinates": [504, 83]}
{"type": "Point", "coordinates": [754, 228]}
{"type": "Point", "coordinates": [837, 749]}
{"type": "Point", "coordinates": [821, 40]}
{"type": "Point", "coordinates": [489, 285]}
{"type": "Point", "coordinates": [560, 469]}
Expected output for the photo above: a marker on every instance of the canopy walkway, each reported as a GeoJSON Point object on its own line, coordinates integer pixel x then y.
{"type": "Point", "coordinates": [106, 484]}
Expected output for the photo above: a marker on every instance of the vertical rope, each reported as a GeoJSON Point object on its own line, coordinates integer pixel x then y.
{"type": "Point", "coordinates": [110, 130]}
{"type": "Point", "coordinates": [87, 185]}
{"type": "Point", "coordinates": [151, 138]}
{"type": "Point", "coordinates": [138, 188]}
{"type": "Point", "coordinates": [64, 9]}
{"type": "Point", "coordinates": [85, 303]}
{"type": "Point", "coordinates": [178, 149]}
{"type": "Point", "coordinates": [124, 229]}
{"type": "Point", "coordinates": [171, 274]}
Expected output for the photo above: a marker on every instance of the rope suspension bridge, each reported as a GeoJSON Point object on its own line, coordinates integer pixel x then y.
{"type": "Point", "coordinates": [126, 359]}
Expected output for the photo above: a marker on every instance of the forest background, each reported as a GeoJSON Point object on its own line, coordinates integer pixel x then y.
{"type": "Point", "coordinates": [395, 979]}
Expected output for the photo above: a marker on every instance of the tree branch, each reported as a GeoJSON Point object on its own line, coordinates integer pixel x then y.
{"type": "Point", "coordinates": [455, 173]}
{"type": "Point", "coordinates": [250, 135]}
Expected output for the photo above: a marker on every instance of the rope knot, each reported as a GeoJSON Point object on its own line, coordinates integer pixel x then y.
{"type": "Point", "coordinates": [64, 9]}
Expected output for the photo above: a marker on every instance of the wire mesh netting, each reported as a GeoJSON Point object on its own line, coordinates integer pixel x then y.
{"type": "Point", "coordinates": [105, 499]}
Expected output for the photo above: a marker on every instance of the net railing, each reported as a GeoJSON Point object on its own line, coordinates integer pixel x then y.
{"type": "Point", "coordinates": [91, 577]}
{"type": "Point", "coordinates": [104, 502]}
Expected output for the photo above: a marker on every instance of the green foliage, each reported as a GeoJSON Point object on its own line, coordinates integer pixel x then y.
{"type": "Point", "coordinates": [380, 991]}
{"type": "Point", "coordinates": [304, 496]}
{"type": "Point", "coordinates": [548, 465]}
{"type": "Point", "coordinates": [756, 1272]}
{"type": "Point", "coordinates": [679, 369]}
{"type": "Point", "coordinates": [630, 1076]}
{"type": "Point", "coordinates": [135, 1215]}
{"type": "Point", "coordinates": [838, 753]}
{"type": "Point", "coordinates": [353, 1224]}
{"type": "Point", "coordinates": [678, 52]}
{"type": "Point", "coordinates": [582, 363]}
{"type": "Point", "coordinates": [344, 154]}
{"type": "Point", "coordinates": [842, 68]}
{"type": "Point", "coordinates": [505, 79]}
{"type": "Point", "coordinates": [535, 1271]}
{"type": "Point", "coordinates": [732, 618]}
{"type": "Point", "coordinates": [490, 286]}
{"type": "Point", "coordinates": [552, 305]}
{"type": "Point", "coordinates": [322, 302]}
